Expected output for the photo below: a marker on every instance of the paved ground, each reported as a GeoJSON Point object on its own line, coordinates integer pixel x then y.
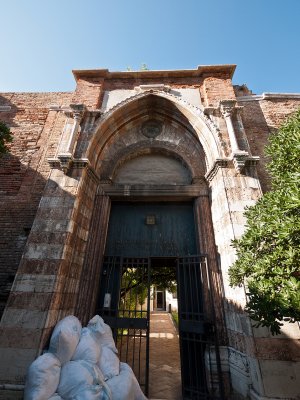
{"type": "Point", "coordinates": [165, 379]}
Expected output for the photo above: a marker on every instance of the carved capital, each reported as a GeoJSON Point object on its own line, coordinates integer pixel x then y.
{"type": "Point", "coordinates": [227, 107]}
{"type": "Point", "coordinates": [65, 161]}
{"type": "Point", "coordinates": [76, 111]}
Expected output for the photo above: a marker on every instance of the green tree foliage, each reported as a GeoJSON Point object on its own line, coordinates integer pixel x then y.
{"type": "Point", "coordinates": [5, 137]}
{"type": "Point", "coordinates": [269, 251]}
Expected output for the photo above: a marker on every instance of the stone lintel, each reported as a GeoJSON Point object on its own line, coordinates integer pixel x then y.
{"type": "Point", "coordinates": [154, 191]}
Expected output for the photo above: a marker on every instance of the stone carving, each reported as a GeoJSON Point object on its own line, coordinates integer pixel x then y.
{"type": "Point", "coordinates": [151, 128]}
{"type": "Point", "coordinates": [238, 360]}
{"type": "Point", "coordinates": [196, 110]}
{"type": "Point", "coordinates": [227, 107]}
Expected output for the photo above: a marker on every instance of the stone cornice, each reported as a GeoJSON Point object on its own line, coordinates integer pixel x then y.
{"type": "Point", "coordinates": [69, 111]}
{"type": "Point", "coordinates": [202, 70]}
{"type": "Point", "coordinates": [269, 96]}
{"type": "Point", "coordinates": [219, 163]}
{"type": "Point", "coordinates": [239, 160]}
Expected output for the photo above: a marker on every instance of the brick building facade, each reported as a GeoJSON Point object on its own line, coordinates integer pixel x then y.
{"type": "Point", "coordinates": [66, 166]}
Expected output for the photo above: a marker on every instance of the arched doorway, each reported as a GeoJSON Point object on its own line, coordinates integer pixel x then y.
{"type": "Point", "coordinates": [153, 190]}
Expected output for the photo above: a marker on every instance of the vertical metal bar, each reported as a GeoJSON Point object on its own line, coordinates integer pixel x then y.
{"type": "Point", "coordinates": [148, 326]}
{"type": "Point", "coordinates": [196, 269]}
{"type": "Point", "coordinates": [218, 358]}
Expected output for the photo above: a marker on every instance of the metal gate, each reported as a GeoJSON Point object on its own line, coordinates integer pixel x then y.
{"type": "Point", "coordinates": [125, 306]}
{"type": "Point", "coordinates": [199, 353]}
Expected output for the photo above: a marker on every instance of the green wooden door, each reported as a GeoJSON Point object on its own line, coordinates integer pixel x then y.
{"type": "Point", "coordinates": [151, 230]}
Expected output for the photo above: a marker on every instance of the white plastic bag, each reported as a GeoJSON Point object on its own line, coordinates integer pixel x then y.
{"type": "Point", "coordinates": [80, 378]}
{"type": "Point", "coordinates": [97, 326]}
{"type": "Point", "coordinates": [65, 338]}
{"type": "Point", "coordinates": [87, 349]}
{"type": "Point", "coordinates": [125, 386]}
{"type": "Point", "coordinates": [55, 397]}
{"type": "Point", "coordinates": [42, 377]}
{"type": "Point", "coordinates": [106, 338]}
{"type": "Point", "coordinates": [92, 392]}
{"type": "Point", "coordinates": [109, 363]}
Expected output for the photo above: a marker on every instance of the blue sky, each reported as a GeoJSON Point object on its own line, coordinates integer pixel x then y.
{"type": "Point", "coordinates": [43, 40]}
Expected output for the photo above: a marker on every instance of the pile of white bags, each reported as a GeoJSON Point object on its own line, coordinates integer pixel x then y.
{"type": "Point", "coordinates": [81, 364]}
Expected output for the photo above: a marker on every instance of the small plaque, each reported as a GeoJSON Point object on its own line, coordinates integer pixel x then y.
{"type": "Point", "coordinates": [151, 128]}
{"type": "Point", "coordinates": [150, 220]}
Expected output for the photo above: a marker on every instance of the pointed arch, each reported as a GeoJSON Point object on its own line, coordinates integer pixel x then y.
{"type": "Point", "coordinates": [163, 105]}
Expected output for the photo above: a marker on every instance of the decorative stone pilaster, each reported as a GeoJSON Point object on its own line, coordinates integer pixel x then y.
{"type": "Point", "coordinates": [239, 157]}
{"type": "Point", "coordinates": [65, 158]}
{"type": "Point", "coordinates": [65, 155]}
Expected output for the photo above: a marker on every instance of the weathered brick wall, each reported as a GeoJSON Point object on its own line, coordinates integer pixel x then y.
{"type": "Point", "coordinates": [260, 118]}
{"type": "Point", "coordinates": [23, 172]}
{"type": "Point", "coordinates": [216, 88]}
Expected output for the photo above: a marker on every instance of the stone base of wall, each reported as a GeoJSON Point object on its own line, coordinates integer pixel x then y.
{"type": "Point", "coordinates": [256, 396]}
{"type": "Point", "coordinates": [239, 372]}
{"type": "Point", "coordinates": [11, 393]}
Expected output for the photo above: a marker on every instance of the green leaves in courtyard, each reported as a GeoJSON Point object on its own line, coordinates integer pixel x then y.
{"type": "Point", "coordinates": [269, 251]}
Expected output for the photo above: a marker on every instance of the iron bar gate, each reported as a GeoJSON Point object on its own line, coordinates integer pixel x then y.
{"type": "Point", "coordinates": [125, 306]}
{"type": "Point", "coordinates": [199, 353]}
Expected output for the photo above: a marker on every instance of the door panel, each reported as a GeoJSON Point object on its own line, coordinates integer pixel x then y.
{"type": "Point", "coordinates": [152, 230]}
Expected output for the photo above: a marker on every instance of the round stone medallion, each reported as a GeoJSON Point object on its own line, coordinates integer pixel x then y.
{"type": "Point", "coordinates": [151, 128]}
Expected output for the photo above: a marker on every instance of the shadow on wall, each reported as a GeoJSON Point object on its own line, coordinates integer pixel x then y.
{"type": "Point", "coordinates": [20, 191]}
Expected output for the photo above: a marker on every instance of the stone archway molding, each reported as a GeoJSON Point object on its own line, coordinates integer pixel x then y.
{"type": "Point", "coordinates": [108, 124]}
